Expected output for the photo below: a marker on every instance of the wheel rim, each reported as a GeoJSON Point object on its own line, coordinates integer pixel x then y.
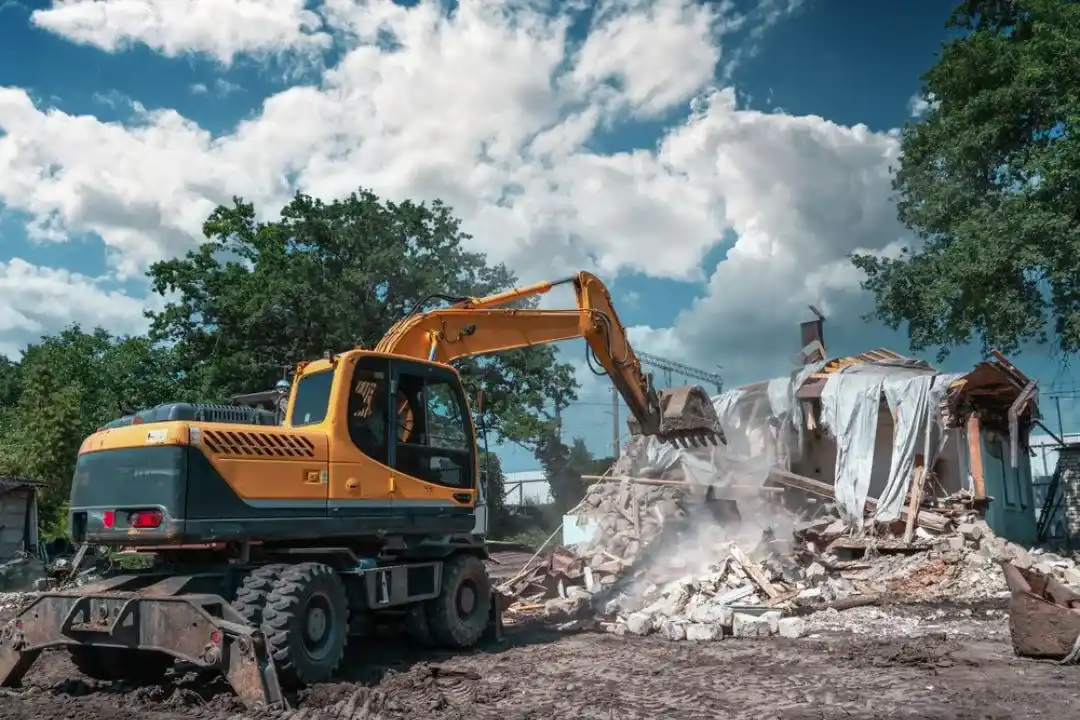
{"type": "Point", "coordinates": [466, 600]}
{"type": "Point", "coordinates": [319, 621]}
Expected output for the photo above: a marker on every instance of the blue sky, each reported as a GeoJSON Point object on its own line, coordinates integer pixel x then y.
{"type": "Point", "coordinates": [713, 162]}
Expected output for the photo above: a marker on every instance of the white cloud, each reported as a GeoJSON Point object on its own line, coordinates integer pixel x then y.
{"type": "Point", "coordinates": [919, 104]}
{"type": "Point", "coordinates": [39, 300]}
{"type": "Point", "coordinates": [800, 194]}
{"type": "Point", "coordinates": [220, 28]}
{"type": "Point", "coordinates": [494, 110]}
{"type": "Point", "coordinates": [220, 88]}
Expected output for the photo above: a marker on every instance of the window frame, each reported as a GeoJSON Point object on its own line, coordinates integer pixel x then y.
{"type": "Point", "coordinates": [465, 457]}
{"type": "Point", "coordinates": [329, 372]}
{"type": "Point", "coordinates": [373, 364]}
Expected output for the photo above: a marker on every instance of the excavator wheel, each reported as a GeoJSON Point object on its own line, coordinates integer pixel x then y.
{"type": "Point", "coordinates": [112, 664]}
{"type": "Point", "coordinates": [459, 616]}
{"type": "Point", "coordinates": [417, 625]}
{"type": "Point", "coordinates": [307, 623]}
{"type": "Point", "coordinates": [254, 588]}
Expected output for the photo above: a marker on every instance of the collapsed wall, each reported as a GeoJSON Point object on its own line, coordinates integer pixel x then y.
{"type": "Point", "coordinates": [702, 544]}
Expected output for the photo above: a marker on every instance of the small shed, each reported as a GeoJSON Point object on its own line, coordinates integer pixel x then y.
{"type": "Point", "coordinates": [18, 517]}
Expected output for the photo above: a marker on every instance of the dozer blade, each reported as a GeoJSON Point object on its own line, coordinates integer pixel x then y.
{"type": "Point", "coordinates": [688, 419]}
{"type": "Point", "coordinates": [199, 629]}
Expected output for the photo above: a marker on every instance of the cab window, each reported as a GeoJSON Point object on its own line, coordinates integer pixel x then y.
{"type": "Point", "coordinates": [433, 438]}
{"type": "Point", "coordinates": [369, 408]}
{"type": "Point", "coordinates": [446, 425]}
{"type": "Point", "coordinates": [312, 398]}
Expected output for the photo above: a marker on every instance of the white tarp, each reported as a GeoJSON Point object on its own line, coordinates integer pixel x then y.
{"type": "Point", "coordinates": [780, 396]}
{"type": "Point", "coordinates": [914, 404]}
{"type": "Point", "coordinates": [700, 464]}
{"type": "Point", "coordinates": [849, 408]}
{"type": "Point", "coordinates": [909, 400]}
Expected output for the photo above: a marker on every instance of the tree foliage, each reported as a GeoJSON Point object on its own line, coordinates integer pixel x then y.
{"type": "Point", "coordinates": [564, 466]}
{"type": "Point", "coordinates": [64, 388]}
{"type": "Point", "coordinates": [492, 473]}
{"type": "Point", "coordinates": [261, 296]}
{"type": "Point", "coordinates": [989, 183]}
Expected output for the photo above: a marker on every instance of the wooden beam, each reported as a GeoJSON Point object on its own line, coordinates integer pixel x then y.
{"type": "Point", "coordinates": [925, 518]}
{"type": "Point", "coordinates": [975, 463]}
{"type": "Point", "coordinates": [916, 497]}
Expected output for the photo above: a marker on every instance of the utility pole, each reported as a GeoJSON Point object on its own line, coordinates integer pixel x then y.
{"type": "Point", "coordinates": [615, 423]}
{"type": "Point", "coordinates": [558, 420]}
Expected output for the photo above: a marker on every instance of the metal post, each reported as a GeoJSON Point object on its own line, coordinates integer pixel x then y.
{"type": "Point", "coordinates": [614, 423]}
{"type": "Point", "coordinates": [1061, 427]}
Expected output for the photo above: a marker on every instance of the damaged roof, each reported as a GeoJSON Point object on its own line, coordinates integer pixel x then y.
{"type": "Point", "coordinates": [9, 483]}
{"type": "Point", "coordinates": [994, 382]}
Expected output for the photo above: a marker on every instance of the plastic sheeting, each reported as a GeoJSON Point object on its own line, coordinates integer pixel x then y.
{"type": "Point", "coordinates": [914, 404]}
{"type": "Point", "coordinates": [909, 400]}
{"type": "Point", "coordinates": [781, 399]}
{"type": "Point", "coordinates": [849, 408]}
{"type": "Point", "coordinates": [699, 464]}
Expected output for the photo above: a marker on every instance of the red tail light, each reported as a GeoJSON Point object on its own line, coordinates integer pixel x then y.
{"type": "Point", "coordinates": [145, 519]}
{"type": "Point", "coordinates": [108, 519]}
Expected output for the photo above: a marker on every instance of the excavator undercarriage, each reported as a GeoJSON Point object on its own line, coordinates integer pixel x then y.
{"type": "Point", "coordinates": [260, 626]}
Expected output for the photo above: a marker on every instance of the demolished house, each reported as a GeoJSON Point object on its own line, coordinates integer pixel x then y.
{"type": "Point", "coordinates": [850, 480]}
{"type": "Point", "coordinates": [890, 434]}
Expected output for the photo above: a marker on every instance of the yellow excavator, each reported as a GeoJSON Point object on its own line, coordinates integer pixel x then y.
{"type": "Point", "coordinates": [271, 541]}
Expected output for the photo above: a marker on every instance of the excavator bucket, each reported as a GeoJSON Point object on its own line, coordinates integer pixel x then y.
{"type": "Point", "coordinates": [687, 418]}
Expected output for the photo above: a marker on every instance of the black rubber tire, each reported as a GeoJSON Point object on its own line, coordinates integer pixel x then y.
{"type": "Point", "coordinates": [417, 626]}
{"type": "Point", "coordinates": [285, 617]}
{"type": "Point", "coordinates": [254, 589]}
{"type": "Point", "coordinates": [139, 667]}
{"type": "Point", "coordinates": [451, 625]}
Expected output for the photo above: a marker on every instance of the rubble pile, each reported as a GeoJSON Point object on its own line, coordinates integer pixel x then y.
{"type": "Point", "coordinates": [682, 559]}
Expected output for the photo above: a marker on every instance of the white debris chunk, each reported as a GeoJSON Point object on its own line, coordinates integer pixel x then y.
{"type": "Point", "coordinates": [792, 627]}
{"type": "Point", "coordinates": [699, 632]}
{"type": "Point", "coordinates": [750, 626]}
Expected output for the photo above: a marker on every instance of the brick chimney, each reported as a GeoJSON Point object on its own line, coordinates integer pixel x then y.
{"type": "Point", "coordinates": [812, 334]}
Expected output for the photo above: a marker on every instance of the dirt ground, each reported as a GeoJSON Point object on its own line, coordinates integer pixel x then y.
{"type": "Point", "coordinates": [538, 674]}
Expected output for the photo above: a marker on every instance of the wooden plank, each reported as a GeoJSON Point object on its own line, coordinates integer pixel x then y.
{"type": "Point", "coordinates": [755, 572]}
{"type": "Point", "coordinates": [974, 437]}
{"type": "Point", "coordinates": [925, 518]}
{"type": "Point", "coordinates": [915, 500]}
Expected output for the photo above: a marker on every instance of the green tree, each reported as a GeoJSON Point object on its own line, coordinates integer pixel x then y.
{"type": "Point", "coordinates": [9, 383]}
{"type": "Point", "coordinates": [69, 384]}
{"type": "Point", "coordinates": [564, 465]}
{"type": "Point", "coordinates": [989, 183]}
{"type": "Point", "coordinates": [492, 472]}
{"type": "Point", "coordinates": [260, 296]}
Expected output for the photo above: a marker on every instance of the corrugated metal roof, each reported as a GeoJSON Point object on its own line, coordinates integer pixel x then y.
{"type": "Point", "coordinates": [8, 483]}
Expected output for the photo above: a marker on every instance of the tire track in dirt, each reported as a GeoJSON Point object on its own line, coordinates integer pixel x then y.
{"type": "Point", "coordinates": [538, 674]}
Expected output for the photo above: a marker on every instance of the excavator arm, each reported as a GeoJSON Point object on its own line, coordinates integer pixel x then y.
{"type": "Point", "coordinates": [481, 326]}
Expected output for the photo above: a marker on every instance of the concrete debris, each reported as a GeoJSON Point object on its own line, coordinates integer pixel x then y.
{"type": "Point", "coordinates": [684, 560]}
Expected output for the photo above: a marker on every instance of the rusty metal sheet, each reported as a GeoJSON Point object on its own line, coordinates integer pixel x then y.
{"type": "Point", "coordinates": [1041, 622]}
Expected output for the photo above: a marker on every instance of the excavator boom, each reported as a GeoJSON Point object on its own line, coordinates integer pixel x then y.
{"type": "Point", "coordinates": [481, 326]}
